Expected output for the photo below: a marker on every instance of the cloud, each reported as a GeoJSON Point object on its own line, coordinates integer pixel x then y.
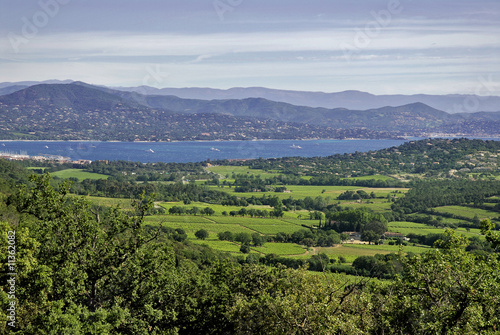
{"type": "Point", "coordinates": [316, 45]}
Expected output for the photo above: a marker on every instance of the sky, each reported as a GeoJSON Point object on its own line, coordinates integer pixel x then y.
{"type": "Point", "coordinates": [381, 47]}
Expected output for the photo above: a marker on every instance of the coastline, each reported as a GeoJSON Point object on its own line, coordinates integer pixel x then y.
{"type": "Point", "coordinates": [206, 141]}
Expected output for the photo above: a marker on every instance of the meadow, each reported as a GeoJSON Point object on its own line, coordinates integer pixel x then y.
{"type": "Point", "coordinates": [227, 171]}
{"type": "Point", "coordinates": [468, 212]}
{"type": "Point", "coordinates": [78, 174]}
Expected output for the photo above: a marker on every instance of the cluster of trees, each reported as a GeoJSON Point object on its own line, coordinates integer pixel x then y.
{"type": "Point", "coordinates": [165, 192]}
{"type": "Point", "coordinates": [433, 193]}
{"type": "Point", "coordinates": [254, 183]}
{"type": "Point", "coordinates": [381, 266]}
{"type": "Point", "coordinates": [179, 210]}
{"type": "Point", "coordinates": [311, 237]}
{"type": "Point", "coordinates": [358, 220]}
{"type": "Point", "coordinates": [254, 239]}
{"type": "Point", "coordinates": [432, 156]}
{"type": "Point", "coordinates": [356, 195]}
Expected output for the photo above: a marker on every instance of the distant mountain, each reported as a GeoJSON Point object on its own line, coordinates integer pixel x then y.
{"type": "Point", "coordinates": [348, 99]}
{"type": "Point", "coordinates": [353, 100]}
{"type": "Point", "coordinates": [11, 89]}
{"type": "Point", "coordinates": [72, 96]}
{"type": "Point", "coordinates": [402, 118]}
{"type": "Point", "coordinates": [79, 111]}
{"type": "Point", "coordinates": [82, 111]}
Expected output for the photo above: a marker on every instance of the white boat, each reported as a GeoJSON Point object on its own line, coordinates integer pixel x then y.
{"type": "Point", "coordinates": [214, 149]}
{"type": "Point", "coordinates": [293, 146]}
{"type": "Point", "coordinates": [150, 150]}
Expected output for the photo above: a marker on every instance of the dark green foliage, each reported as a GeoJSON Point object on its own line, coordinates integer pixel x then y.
{"type": "Point", "coordinates": [433, 193]}
{"type": "Point", "coordinates": [245, 248]}
{"type": "Point", "coordinates": [201, 234]}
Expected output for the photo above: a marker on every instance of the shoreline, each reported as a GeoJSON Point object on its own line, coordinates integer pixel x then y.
{"type": "Point", "coordinates": [205, 141]}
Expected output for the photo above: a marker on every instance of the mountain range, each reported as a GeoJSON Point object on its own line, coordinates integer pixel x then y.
{"type": "Point", "coordinates": [356, 100]}
{"type": "Point", "coordinates": [80, 111]}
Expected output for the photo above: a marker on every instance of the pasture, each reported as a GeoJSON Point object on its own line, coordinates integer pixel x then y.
{"type": "Point", "coordinates": [468, 212]}
{"type": "Point", "coordinates": [78, 174]}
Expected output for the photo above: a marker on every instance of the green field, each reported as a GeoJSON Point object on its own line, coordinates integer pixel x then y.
{"type": "Point", "coordinates": [352, 251]}
{"type": "Point", "coordinates": [280, 249]}
{"type": "Point", "coordinates": [78, 174]}
{"type": "Point", "coordinates": [372, 177]}
{"type": "Point", "coordinates": [467, 212]}
{"type": "Point", "coordinates": [302, 191]}
{"type": "Point", "coordinates": [229, 170]}
{"type": "Point", "coordinates": [218, 224]}
{"type": "Point", "coordinates": [226, 246]}
{"type": "Point", "coordinates": [110, 202]}
{"type": "Point", "coordinates": [220, 208]}
{"type": "Point", "coordinates": [376, 205]}
{"type": "Point", "coordinates": [406, 228]}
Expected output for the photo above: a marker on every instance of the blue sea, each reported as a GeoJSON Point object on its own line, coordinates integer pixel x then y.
{"type": "Point", "coordinates": [183, 152]}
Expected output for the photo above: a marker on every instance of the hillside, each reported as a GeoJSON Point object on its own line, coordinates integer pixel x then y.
{"type": "Point", "coordinates": [79, 111]}
{"type": "Point", "coordinates": [452, 103]}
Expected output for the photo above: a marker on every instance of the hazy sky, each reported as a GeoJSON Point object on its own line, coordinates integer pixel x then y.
{"type": "Point", "coordinates": [382, 47]}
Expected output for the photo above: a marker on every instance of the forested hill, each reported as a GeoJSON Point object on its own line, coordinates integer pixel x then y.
{"type": "Point", "coordinates": [433, 157]}
{"type": "Point", "coordinates": [82, 112]}
{"type": "Point", "coordinates": [79, 111]}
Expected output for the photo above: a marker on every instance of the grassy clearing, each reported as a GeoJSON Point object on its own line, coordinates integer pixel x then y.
{"type": "Point", "coordinates": [350, 254]}
{"type": "Point", "coordinates": [406, 228]}
{"type": "Point", "coordinates": [273, 229]}
{"type": "Point", "coordinates": [373, 177]}
{"type": "Point", "coordinates": [219, 208]}
{"type": "Point", "coordinates": [352, 251]}
{"type": "Point", "coordinates": [467, 212]}
{"type": "Point", "coordinates": [301, 192]}
{"type": "Point", "coordinates": [191, 227]}
{"type": "Point", "coordinates": [110, 202]}
{"type": "Point", "coordinates": [386, 248]}
{"type": "Point", "coordinates": [280, 249]}
{"type": "Point", "coordinates": [376, 205]}
{"type": "Point", "coordinates": [229, 170]}
{"type": "Point", "coordinates": [78, 174]}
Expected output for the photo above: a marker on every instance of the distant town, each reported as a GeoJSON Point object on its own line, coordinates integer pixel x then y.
{"type": "Point", "coordinates": [42, 158]}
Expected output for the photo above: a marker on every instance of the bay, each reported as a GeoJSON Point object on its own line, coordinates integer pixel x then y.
{"type": "Point", "coordinates": [183, 152]}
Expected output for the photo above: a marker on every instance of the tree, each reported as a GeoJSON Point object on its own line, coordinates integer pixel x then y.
{"type": "Point", "coordinates": [244, 238]}
{"type": "Point", "coordinates": [195, 210]}
{"type": "Point", "coordinates": [370, 236]}
{"type": "Point", "coordinates": [225, 236]}
{"type": "Point", "coordinates": [444, 291]}
{"type": "Point", "coordinates": [76, 262]}
{"type": "Point", "coordinates": [376, 226]}
{"type": "Point", "coordinates": [201, 234]}
{"type": "Point", "coordinates": [208, 211]}
{"type": "Point", "coordinates": [258, 240]}
{"type": "Point", "coordinates": [245, 248]}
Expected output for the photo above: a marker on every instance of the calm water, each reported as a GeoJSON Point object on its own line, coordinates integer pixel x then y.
{"type": "Point", "coordinates": [182, 152]}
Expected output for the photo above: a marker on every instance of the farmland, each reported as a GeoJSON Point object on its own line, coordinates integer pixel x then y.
{"type": "Point", "coordinates": [78, 174]}
{"type": "Point", "coordinates": [287, 197]}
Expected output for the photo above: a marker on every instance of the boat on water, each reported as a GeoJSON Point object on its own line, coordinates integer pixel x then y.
{"type": "Point", "coordinates": [150, 150]}
{"type": "Point", "coordinates": [293, 146]}
{"type": "Point", "coordinates": [214, 149]}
